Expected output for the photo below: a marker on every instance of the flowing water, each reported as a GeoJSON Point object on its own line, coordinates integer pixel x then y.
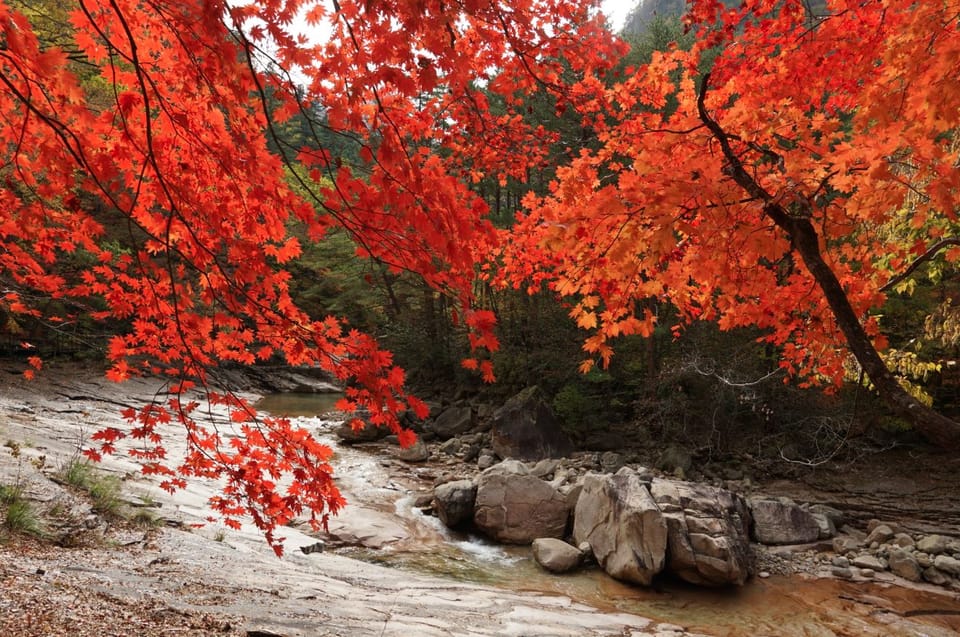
{"type": "Point", "coordinates": [777, 606]}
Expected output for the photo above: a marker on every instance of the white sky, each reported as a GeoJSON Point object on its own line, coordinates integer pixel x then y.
{"type": "Point", "coordinates": [617, 10]}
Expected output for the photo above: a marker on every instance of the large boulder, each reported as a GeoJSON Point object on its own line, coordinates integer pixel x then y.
{"type": "Point", "coordinates": [780, 521]}
{"type": "Point", "coordinates": [526, 428]}
{"type": "Point", "coordinates": [618, 518]}
{"type": "Point", "coordinates": [708, 532]}
{"type": "Point", "coordinates": [454, 502]}
{"type": "Point", "coordinates": [556, 555]}
{"type": "Point", "coordinates": [515, 507]}
{"type": "Point", "coordinates": [452, 421]}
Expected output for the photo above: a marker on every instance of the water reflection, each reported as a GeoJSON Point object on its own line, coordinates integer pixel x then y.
{"type": "Point", "coordinates": [294, 405]}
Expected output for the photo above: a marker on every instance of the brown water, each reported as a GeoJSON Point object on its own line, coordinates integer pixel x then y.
{"type": "Point", "coordinates": [773, 607]}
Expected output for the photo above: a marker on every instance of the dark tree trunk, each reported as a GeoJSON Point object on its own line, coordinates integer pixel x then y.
{"type": "Point", "coordinates": [935, 427]}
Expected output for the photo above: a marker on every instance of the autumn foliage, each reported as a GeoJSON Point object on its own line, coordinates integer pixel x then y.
{"type": "Point", "coordinates": [177, 152]}
{"type": "Point", "coordinates": [714, 192]}
{"type": "Point", "coordinates": [756, 179]}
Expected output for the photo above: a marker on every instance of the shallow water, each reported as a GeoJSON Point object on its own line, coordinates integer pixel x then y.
{"type": "Point", "coordinates": [763, 607]}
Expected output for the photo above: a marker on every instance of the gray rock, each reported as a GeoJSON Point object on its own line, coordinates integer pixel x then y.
{"type": "Point", "coordinates": [515, 507]}
{"type": "Point", "coordinates": [611, 461]}
{"type": "Point", "coordinates": [545, 468]}
{"type": "Point", "coordinates": [870, 562]}
{"type": "Point", "coordinates": [841, 561]}
{"type": "Point", "coordinates": [933, 544]}
{"type": "Point", "coordinates": [827, 527]}
{"type": "Point", "coordinates": [417, 452]}
{"type": "Point", "coordinates": [556, 555]}
{"type": "Point", "coordinates": [367, 433]}
{"type": "Point", "coordinates": [779, 522]}
{"type": "Point", "coordinates": [526, 428]}
{"type": "Point", "coordinates": [708, 532]}
{"type": "Point", "coordinates": [452, 421]}
{"type": "Point", "coordinates": [903, 540]}
{"type": "Point", "coordinates": [947, 564]}
{"type": "Point", "coordinates": [843, 572]}
{"type": "Point", "coordinates": [934, 576]}
{"type": "Point", "coordinates": [881, 534]}
{"type": "Point", "coordinates": [905, 565]}
{"type": "Point", "coordinates": [844, 544]}
{"type": "Point", "coordinates": [485, 461]}
{"type": "Point", "coordinates": [868, 573]}
{"type": "Point", "coordinates": [454, 502]}
{"type": "Point", "coordinates": [834, 515]}
{"type": "Point", "coordinates": [622, 523]}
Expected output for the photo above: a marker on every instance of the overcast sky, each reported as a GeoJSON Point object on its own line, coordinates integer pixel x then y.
{"type": "Point", "coordinates": [617, 11]}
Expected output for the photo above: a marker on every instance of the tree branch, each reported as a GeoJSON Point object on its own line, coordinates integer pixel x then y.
{"type": "Point", "coordinates": [923, 258]}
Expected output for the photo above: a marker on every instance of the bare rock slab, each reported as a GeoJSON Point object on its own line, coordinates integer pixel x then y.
{"type": "Point", "coordinates": [776, 521]}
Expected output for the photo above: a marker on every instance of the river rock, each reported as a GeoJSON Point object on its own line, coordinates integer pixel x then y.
{"type": "Point", "coordinates": [452, 421]}
{"type": "Point", "coordinates": [556, 555]}
{"type": "Point", "coordinates": [881, 534]}
{"type": "Point", "coordinates": [515, 507]}
{"type": "Point", "coordinates": [934, 576]}
{"type": "Point", "coordinates": [947, 564]}
{"type": "Point", "coordinates": [777, 521]}
{"type": "Point", "coordinates": [417, 452]}
{"type": "Point", "coordinates": [905, 565]}
{"type": "Point", "coordinates": [526, 428]}
{"type": "Point", "coordinates": [623, 525]}
{"type": "Point", "coordinates": [934, 544]}
{"type": "Point", "coordinates": [871, 562]}
{"type": "Point", "coordinates": [708, 532]}
{"type": "Point", "coordinates": [454, 502]}
{"type": "Point", "coordinates": [367, 433]}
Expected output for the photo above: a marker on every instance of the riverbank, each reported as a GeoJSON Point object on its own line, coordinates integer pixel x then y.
{"type": "Point", "coordinates": [216, 580]}
{"type": "Point", "coordinates": [169, 579]}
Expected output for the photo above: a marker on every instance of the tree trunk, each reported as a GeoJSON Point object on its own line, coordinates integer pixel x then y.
{"type": "Point", "coordinates": [935, 427]}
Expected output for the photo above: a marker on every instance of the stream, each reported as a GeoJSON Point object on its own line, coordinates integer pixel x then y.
{"type": "Point", "coordinates": [405, 539]}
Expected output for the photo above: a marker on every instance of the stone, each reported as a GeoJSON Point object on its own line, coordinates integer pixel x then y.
{"type": "Point", "coordinates": [515, 507]}
{"type": "Point", "coordinates": [844, 544]}
{"type": "Point", "coordinates": [623, 525]}
{"type": "Point", "coordinates": [485, 461]}
{"type": "Point", "coordinates": [367, 433]}
{"type": "Point", "coordinates": [870, 562]}
{"type": "Point", "coordinates": [611, 461]}
{"type": "Point", "coordinates": [708, 532]}
{"type": "Point", "coordinates": [903, 540]}
{"type": "Point", "coordinates": [452, 421]}
{"type": "Point", "coordinates": [556, 555]}
{"type": "Point", "coordinates": [947, 564]}
{"type": "Point", "coordinates": [780, 522]}
{"type": "Point", "coordinates": [905, 565]}
{"type": "Point", "coordinates": [843, 572]}
{"type": "Point", "coordinates": [934, 576]}
{"type": "Point", "coordinates": [933, 544]}
{"type": "Point", "coordinates": [867, 573]}
{"type": "Point", "coordinates": [833, 514]}
{"type": "Point", "coordinates": [881, 534]}
{"type": "Point", "coordinates": [545, 468]}
{"type": "Point", "coordinates": [417, 452]}
{"type": "Point", "coordinates": [454, 502]}
{"type": "Point", "coordinates": [827, 527]}
{"type": "Point", "coordinates": [526, 428]}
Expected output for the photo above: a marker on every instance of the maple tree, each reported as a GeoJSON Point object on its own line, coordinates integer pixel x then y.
{"type": "Point", "coordinates": [761, 193]}
{"type": "Point", "coordinates": [178, 153]}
